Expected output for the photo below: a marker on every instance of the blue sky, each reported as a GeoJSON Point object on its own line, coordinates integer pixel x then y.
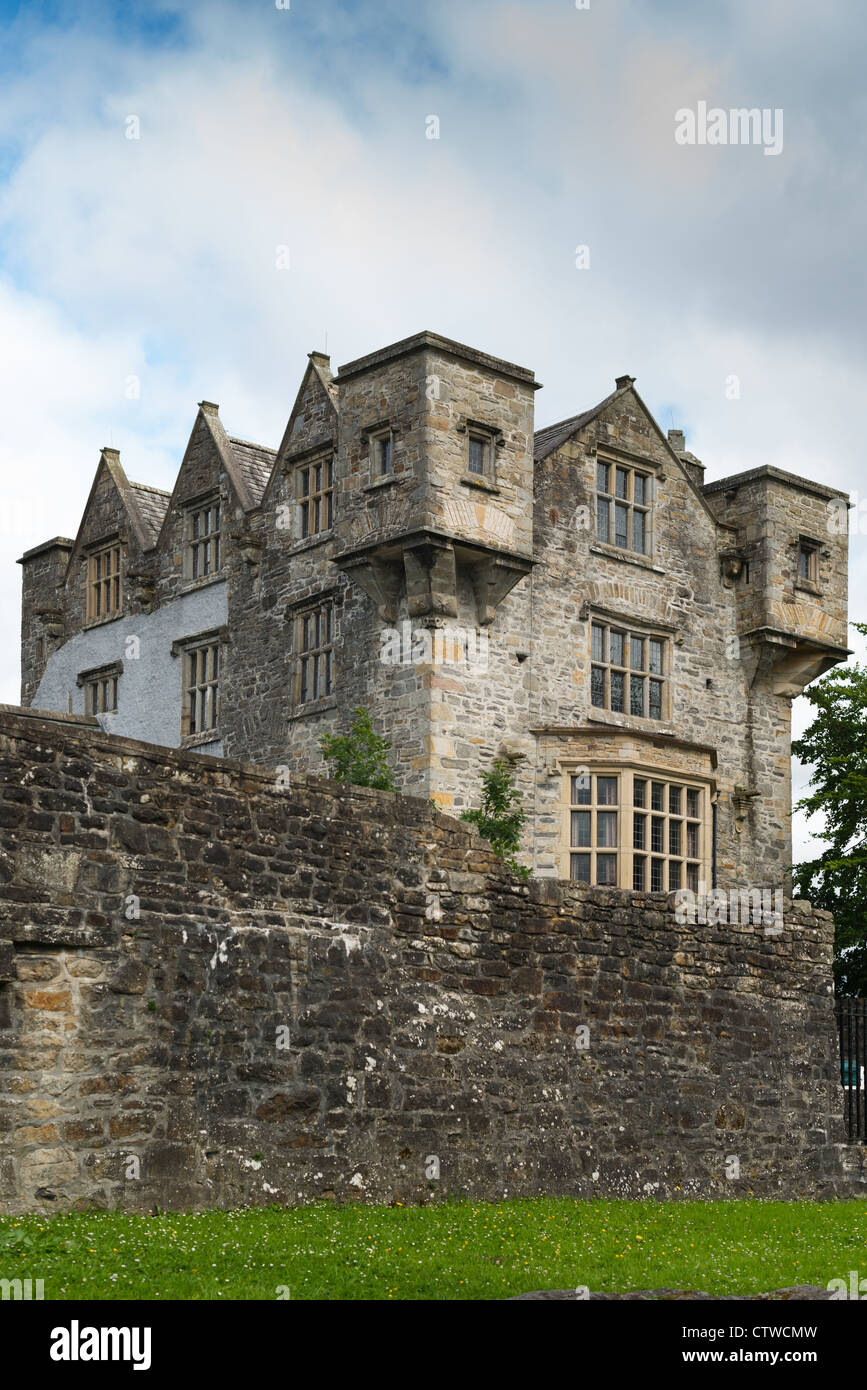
{"type": "Point", "coordinates": [260, 127]}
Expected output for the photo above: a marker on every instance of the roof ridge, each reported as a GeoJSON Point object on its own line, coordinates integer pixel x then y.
{"type": "Point", "coordinates": [148, 487]}
{"type": "Point", "coordinates": [250, 444]}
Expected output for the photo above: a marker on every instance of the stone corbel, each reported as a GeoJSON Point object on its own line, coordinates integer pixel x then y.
{"type": "Point", "coordinates": [731, 567]}
{"type": "Point", "coordinates": [380, 580]}
{"type": "Point", "coordinates": [431, 581]}
{"type": "Point", "coordinates": [493, 578]}
{"type": "Point", "coordinates": [741, 798]}
{"type": "Point", "coordinates": [144, 588]}
{"type": "Point", "coordinates": [52, 621]}
{"type": "Point", "coordinates": [250, 546]}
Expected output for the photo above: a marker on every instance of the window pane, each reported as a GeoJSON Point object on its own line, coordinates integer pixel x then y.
{"type": "Point", "coordinates": [602, 477]}
{"type": "Point", "coordinates": [692, 803]}
{"type": "Point", "coordinates": [617, 684]}
{"type": "Point", "coordinates": [640, 486]}
{"type": "Point", "coordinates": [655, 657]}
{"type": "Point", "coordinates": [638, 832]}
{"type": "Point", "coordinates": [602, 513]}
{"type": "Point", "coordinates": [581, 791]}
{"type": "Point", "coordinates": [657, 825]}
{"type": "Point", "coordinates": [692, 877]}
{"type": "Point", "coordinates": [597, 686]}
{"type": "Point", "coordinates": [636, 653]}
{"type": "Point", "coordinates": [675, 869]}
{"type": "Point", "coordinates": [616, 640]}
{"type": "Point", "coordinates": [581, 828]}
{"type": "Point", "coordinates": [656, 875]}
{"type": "Point", "coordinates": [606, 869]}
{"type": "Point", "coordinates": [606, 791]}
{"type": "Point", "coordinates": [674, 836]}
{"type": "Point", "coordinates": [477, 456]}
{"type": "Point", "coordinates": [656, 792]}
{"type": "Point", "coordinates": [692, 841]}
{"type": "Point", "coordinates": [606, 829]}
{"type": "Point", "coordinates": [638, 874]}
{"type": "Point", "coordinates": [580, 868]}
{"type": "Point", "coordinates": [639, 532]}
{"type": "Point", "coordinates": [674, 798]}
{"type": "Point", "coordinates": [621, 525]}
{"type": "Point", "coordinates": [654, 699]}
{"type": "Point", "coordinates": [636, 695]}
{"type": "Point", "coordinates": [639, 791]}
{"type": "Point", "coordinates": [597, 642]}
{"type": "Point", "coordinates": [621, 481]}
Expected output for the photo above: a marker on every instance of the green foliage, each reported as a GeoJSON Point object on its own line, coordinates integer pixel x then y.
{"type": "Point", "coordinates": [835, 745]}
{"type": "Point", "coordinates": [500, 818]}
{"type": "Point", "coordinates": [359, 757]}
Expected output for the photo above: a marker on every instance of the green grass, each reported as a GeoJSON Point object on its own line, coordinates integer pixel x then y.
{"type": "Point", "coordinates": [451, 1251]}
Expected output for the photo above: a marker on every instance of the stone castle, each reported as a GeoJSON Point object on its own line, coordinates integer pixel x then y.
{"type": "Point", "coordinates": [576, 599]}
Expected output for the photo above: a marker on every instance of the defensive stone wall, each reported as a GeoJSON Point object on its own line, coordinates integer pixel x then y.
{"type": "Point", "coordinates": [217, 990]}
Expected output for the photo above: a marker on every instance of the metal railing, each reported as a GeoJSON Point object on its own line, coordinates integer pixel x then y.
{"type": "Point", "coordinates": [852, 1032]}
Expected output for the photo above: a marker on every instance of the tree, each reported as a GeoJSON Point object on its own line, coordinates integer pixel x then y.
{"type": "Point", "coordinates": [835, 745]}
{"type": "Point", "coordinates": [359, 757]}
{"type": "Point", "coordinates": [500, 818]}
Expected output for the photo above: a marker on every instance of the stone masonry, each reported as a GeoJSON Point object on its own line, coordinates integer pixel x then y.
{"type": "Point", "coordinates": [576, 599]}
{"type": "Point", "coordinates": [215, 990]}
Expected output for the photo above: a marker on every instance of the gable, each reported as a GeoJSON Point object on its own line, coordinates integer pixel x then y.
{"type": "Point", "coordinates": [623, 421]}
{"type": "Point", "coordinates": [313, 420]}
{"type": "Point", "coordinates": [209, 456]}
{"type": "Point", "coordinates": [111, 509]}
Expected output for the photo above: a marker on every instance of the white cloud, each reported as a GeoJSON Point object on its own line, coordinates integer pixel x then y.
{"type": "Point", "coordinates": [157, 256]}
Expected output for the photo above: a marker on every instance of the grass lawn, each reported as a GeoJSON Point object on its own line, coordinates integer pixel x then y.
{"type": "Point", "coordinates": [452, 1251]}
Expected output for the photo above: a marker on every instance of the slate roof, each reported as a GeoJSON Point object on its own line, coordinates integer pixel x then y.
{"type": "Point", "coordinates": [255, 463]}
{"type": "Point", "coordinates": [549, 439]}
{"type": "Point", "coordinates": [151, 503]}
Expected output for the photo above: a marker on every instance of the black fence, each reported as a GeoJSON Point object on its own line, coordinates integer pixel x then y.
{"type": "Point", "coordinates": [852, 1029]}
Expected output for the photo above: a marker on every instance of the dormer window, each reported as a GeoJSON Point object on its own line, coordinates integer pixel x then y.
{"type": "Point", "coordinates": [315, 491]}
{"type": "Point", "coordinates": [104, 588]}
{"type": "Point", "coordinates": [203, 557]}
{"type": "Point", "coordinates": [622, 507]}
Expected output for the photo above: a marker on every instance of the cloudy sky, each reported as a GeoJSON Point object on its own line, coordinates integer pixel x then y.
{"type": "Point", "coordinates": [268, 135]}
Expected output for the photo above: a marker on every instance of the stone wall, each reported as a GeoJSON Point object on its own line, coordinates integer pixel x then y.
{"type": "Point", "coordinates": [217, 991]}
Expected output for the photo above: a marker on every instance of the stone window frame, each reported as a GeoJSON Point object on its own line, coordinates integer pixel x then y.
{"type": "Point", "coordinates": [96, 610]}
{"type": "Point", "coordinates": [209, 544]}
{"type": "Point", "coordinates": [215, 640]}
{"type": "Point", "coordinates": [807, 547]}
{"type": "Point", "coordinates": [313, 608]}
{"type": "Point", "coordinates": [309, 500]}
{"type": "Point", "coordinates": [595, 804]}
{"type": "Point", "coordinates": [628, 629]}
{"type": "Point", "coordinates": [381, 433]}
{"type": "Point", "coordinates": [612, 500]}
{"type": "Point", "coordinates": [100, 684]}
{"type": "Point", "coordinates": [694, 869]}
